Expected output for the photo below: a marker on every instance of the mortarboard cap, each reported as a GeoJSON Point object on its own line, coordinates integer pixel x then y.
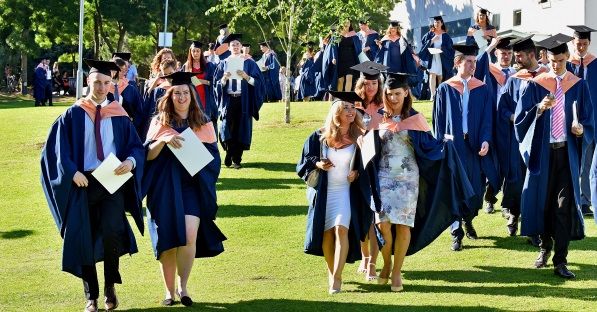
{"type": "Point", "coordinates": [582, 32]}
{"type": "Point", "coordinates": [370, 70]}
{"type": "Point", "coordinates": [394, 24]}
{"type": "Point", "coordinates": [308, 44]}
{"type": "Point", "coordinates": [349, 96]}
{"type": "Point", "coordinates": [223, 26]}
{"type": "Point", "coordinates": [180, 78]}
{"type": "Point", "coordinates": [466, 49]}
{"type": "Point", "coordinates": [484, 10]}
{"type": "Point", "coordinates": [102, 67]}
{"type": "Point", "coordinates": [525, 43]}
{"type": "Point", "coordinates": [123, 55]}
{"type": "Point", "coordinates": [264, 43]}
{"type": "Point", "coordinates": [556, 44]}
{"type": "Point", "coordinates": [233, 37]}
{"type": "Point", "coordinates": [364, 20]}
{"type": "Point", "coordinates": [397, 80]}
{"type": "Point", "coordinates": [504, 43]}
{"type": "Point", "coordinates": [437, 18]}
{"type": "Point", "coordinates": [246, 45]}
{"type": "Point", "coordinates": [196, 44]}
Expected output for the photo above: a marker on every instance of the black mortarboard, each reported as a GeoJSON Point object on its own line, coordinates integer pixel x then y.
{"type": "Point", "coordinates": [246, 45]}
{"type": "Point", "coordinates": [364, 20]}
{"type": "Point", "coordinates": [582, 32]}
{"type": "Point", "coordinates": [556, 44]}
{"type": "Point", "coordinates": [521, 44]}
{"type": "Point", "coordinates": [223, 26]}
{"type": "Point", "coordinates": [504, 43]}
{"type": "Point", "coordinates": [397, 80]}
{"type": "Point", "coordinates": [196, 44]}
{"type": "Point", "coordinates": [102, 67]}
{"type": "Point", "coordinates": [180, 78]}
{"type": "Point", "coordinates": [350, 96]}
{"type": "Point", "coordinates": [484, 10]}
{"type": "Point", "coordinates": [233, 37]}
{"type": "Point", "coordinates": [210, 46]}
{"type": "Point", "coordinates": [264, 43]}
{"type": "Point", "coordinates": [394, 24]}
{"type": "Point", "coordinates": [123, 55]}
{"type": "Point", "coordinates": [466, 49]}
{"type": "Point", "coordinates": [308, 44]}
{"type": "Point", "coordinates": [437, 18]}
{"type": "Point", "coordinates": [370, 70]}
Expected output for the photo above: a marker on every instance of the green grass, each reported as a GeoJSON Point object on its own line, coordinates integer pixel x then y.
{"type": "Point", "coordinates": [262, 212]}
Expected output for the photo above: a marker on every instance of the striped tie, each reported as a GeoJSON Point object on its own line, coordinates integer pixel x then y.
{"type": "Point", "coordinates": [557, 119]}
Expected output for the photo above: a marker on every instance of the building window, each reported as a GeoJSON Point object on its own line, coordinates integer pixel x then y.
{"type": "Point", "coordinates": [517, 19]}
{"type": "Point", "coordinates": [495, 21]}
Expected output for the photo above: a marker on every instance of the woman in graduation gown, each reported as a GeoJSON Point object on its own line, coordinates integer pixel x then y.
{"type": "Point", "coordinates": [342, 55]}
{"type": "Point", "coordinates": [181, 208]}
{"type": "Point", "coordinates": [126, 92]}
{"type": "Point", "coordinates": [481, 23]}
{"type": "Point", "coordinates": [154, 93]}
{"type": "Point", "coordinates": [440, 65]}
{"type": "Point", "coordinates": [421, 184]}
{"type": "Point", "coordinates": [162, 55]}
{"type": "Point", "coordinates": [307, 87]}
{"type": "Point", "coordinates": [395, 52]}
{"type": "Point", "coordinates": [204, 73]}
{"type": "Point", "coordinates": [338, 217]}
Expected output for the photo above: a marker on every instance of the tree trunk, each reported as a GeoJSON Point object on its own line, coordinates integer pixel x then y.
{"type": "Point", "coordinates": [121, 36]}
{"type": "Point", "coordinates": [24, 70]}
{"type": "Point", "coordinates": [288, 63]}
{"type": "Point", "coordinates": [96, 34]}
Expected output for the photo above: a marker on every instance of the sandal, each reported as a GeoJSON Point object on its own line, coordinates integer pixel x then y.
{"type": "Point", "coordinates": [363, 265]}
{"type": "Point", "coordinates": [368, 276]}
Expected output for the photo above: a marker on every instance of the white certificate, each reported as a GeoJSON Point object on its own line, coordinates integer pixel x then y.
{"type": "Point", "coordinates": [368, 148]}
{"type": "Point", "coordinates": [192, 155]}
{"type": "Point", "coordinates": [481, 41]}
{"type": "Point", "coordinates": [233, 64]}
{"type": "Point", "coordinates": [363, 57]}
{"type": "Point", "coordinates": [434, 51]}
{"type": "Point", "coordinates": [106, 176]}
{"type": "Point", "coordinates": [261, 64]}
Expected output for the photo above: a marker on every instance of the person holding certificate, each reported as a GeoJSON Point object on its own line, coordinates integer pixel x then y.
{"type": "Point", "coordinates": [90, 218]}
{"type": "Point", "coordinates": [181, 206]}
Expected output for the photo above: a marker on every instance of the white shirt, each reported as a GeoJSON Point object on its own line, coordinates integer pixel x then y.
{"type": "Point", "coordinates": [564, 135]}
{"type": "Point", "coordinates": [238, 82]}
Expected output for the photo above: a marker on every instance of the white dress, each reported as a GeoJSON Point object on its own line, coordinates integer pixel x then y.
{"type": "Point", "coordinates": [337, 209]}
{"type": "Point", "coordinates": [436, 64]}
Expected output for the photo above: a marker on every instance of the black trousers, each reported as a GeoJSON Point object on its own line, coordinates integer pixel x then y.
{"type": "Point", "coordinates": [234, 148]}
{"type": "Point", "coordinates": [490, 194]}
{"type": "Point", "coordinates": [513, 192]}
{"type": "Point", "coordinates": [106, 217]}
{"type": "Point", "coordinates": [48, 92]}
{"type": "Point", "coordinates": [558, 206]}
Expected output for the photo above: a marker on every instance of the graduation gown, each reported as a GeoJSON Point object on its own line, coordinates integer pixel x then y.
{"type": "Point", "coordinates": [132, 102]}
{"type": "Point", "coordinates": [330, 70]}
{"type": "Point", "coordinates": [443, 184]}
{"type": "Point", "coordinates": [152, 97]}
{"type": "Point", "coordinates": [447, 54]}
{"type": "Point", "coordinates": [162, 185]}
{"type": "Point", "coordinates": [533, 133]}
{"type": "Point", "coordinates": [62, 156]}
{"type": "Point", "coordinates": [479, 117]}
{"type": "Point", "coordinates": [317, 69]}
{"type": "Point", "coordinates": [370, 38]}
{"type": "Point", "coordinates": [251, 101]}
{"type": "Point", "coordinates": [490, 31]}
{"type": "Point", "coordinates": [271, 75]}
{"type": "Point", "coordinates": [209, 107]}
{"type": "Point", "coordinates": [307, 84]}
{"type": "Point", "coordinates": [39, 84]}
{"type": "Point", "coordinates": [397, 55]}
{"type": "Point", "coordinates": [360, 196]}
{"type": "Point", "coordinates": [590, 75]}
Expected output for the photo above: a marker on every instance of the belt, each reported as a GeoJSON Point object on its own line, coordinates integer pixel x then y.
{"type": "Point", "coordinates": [234, 95]}
{"type": "Point", "coordinates": [557, 145]}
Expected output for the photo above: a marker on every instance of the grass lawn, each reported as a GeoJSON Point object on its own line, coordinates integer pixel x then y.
{"type": "Point", "coordinates": [262, 212]}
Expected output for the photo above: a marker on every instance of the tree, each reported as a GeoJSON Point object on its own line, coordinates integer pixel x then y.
{"type": "Point", "coordinates": [286, 19]}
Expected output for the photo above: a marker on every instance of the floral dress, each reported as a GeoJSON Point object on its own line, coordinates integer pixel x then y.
{"type": "Point", "coordinates": [398, 178]}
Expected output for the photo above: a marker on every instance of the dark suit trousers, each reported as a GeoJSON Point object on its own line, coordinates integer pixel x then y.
{"type": "Point", "coordinates": [235, 148]}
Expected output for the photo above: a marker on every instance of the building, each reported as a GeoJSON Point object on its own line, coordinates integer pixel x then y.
{"type": "Point", "coordinates": [517, 17]}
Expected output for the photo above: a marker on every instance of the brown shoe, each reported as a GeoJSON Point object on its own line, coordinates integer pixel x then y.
{"type": "Point", "coordinates": [91, 306]}
{"type": "Point", "coordinates": [111, 299]}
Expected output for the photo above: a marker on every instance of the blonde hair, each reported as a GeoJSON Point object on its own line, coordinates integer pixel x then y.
{"type": "Point", "coordinates": [397, 31]}
{"type": "Point", "coordinates": [331, 128]}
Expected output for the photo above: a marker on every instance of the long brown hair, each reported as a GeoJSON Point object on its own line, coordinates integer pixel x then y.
{"type": "Point", "coordinates": [406, 105]}
{"type": "Point", "coordinates": [157, 59]}
{"type": "Point", "coordinates": [188, 66]}
{"type": "Point", "coordinates": [360, 90]}
{"type": "Point", "coordinates": [331, 129]}
{"type": "Point", "coordinates": [168, 117]}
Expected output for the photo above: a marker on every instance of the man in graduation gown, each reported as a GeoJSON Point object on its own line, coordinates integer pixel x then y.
{"type": "Point", "coordinates": [512, 168]}
{"type": "Point", "coordinates": [127, 93]}
{"type": "Point", "coordinates": [92, 221]}
{"type": "Point", "coordinates": [462, 111]}
{"type": "Point", "coordinates": [583, 65]}
{"type": "Point", "coordinates": [495, 76]}
{"type": "Point", "coordinates": [271, 72]}
{"type": "Point", "coordinates": [239, 99]}
{"type": "Point", "coordinates": [221, 49]}
{"type": "Point", "coordinates": [553, 120]}
{"type": "Point", "coordinates": [39, 82]}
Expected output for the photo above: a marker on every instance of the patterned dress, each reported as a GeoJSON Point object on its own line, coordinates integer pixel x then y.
{"type": "Point", "coordinates": [398, 178]}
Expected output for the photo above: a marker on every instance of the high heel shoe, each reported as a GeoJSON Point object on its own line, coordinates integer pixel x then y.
{"type": "Point", "coordinates": [332, 290]}
{"type": "Point", "coordinates": [363, 265]}
{"type": "Point", "coordinates": [368, 276]}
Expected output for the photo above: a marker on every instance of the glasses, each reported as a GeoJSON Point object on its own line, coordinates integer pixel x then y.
{"type": "Point", "coordinates": [180, 94]}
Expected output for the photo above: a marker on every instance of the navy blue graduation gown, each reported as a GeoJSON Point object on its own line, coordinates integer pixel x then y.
{"type": "Point", "coordinates": [317, 69]}
{"type": "Point", "coordinates": [360, 196]}
{"type": "Point", "coordinates": [490, 30]}
{"type": "Point", "coordinates": [330, 70]}
{"type": "Point", "coordinates": [211, 109]}
{"type": "Point", "coordinates": [150, 108]}
{"type": "Point", "coordinates": [533, 134]}
{"type": "Point", "coordinates": [307, 84]}
{"type": "Point", "coordinates": [372, 45]}
{"type": "Point", "coordinates": [165, 210]}
{"type": "Point", "coordinates": [62, 157]}
{"type": "Point", "coordinates": [447, 54]}
{"type": "Point", "coordinates": [132, 102]}
{"type": "Point", "coordinates": [251, 100]}
{"type": "Point", "coordinates": [272, 78]}
{"type": "Point", "coordinates": [479, 130]}
{"type": "Point", "coordinates": [397, 55]}
{"type": "Point", "coordinates": [39, 84]}
{"type": "Point", "coordinates": [590, 76]}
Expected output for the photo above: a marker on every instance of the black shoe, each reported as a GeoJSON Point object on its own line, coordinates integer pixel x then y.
{"type": "Point", "coordinates": [470, 230]}
{"type": "Point", "coordinates": [562, 271]}
{"type": "Point", "coordinates": [91, 306]}
{"type": "Point", "coordinates": [185, 300]}
{"type": "Point", "coordinates": [489, 208]}
{"type": "Point", "coordinates": [456, 244]}
{"type": "Point", "coordinates": [506, 213]}
{"type": "Point", "coordinates": [111, 299]}
{"type": "Point", "coordinates": [168, 302]}
{"type": "Point", "coordinates": [228, 161]}
{"type": "Point", "coordinates": [586, 210]}
{"type": "Point", "coordinates": [512, 225]}
{"type": "Point", "coordinates": [542, 259]}
{"type": "Point", "coordinates": [534, 240]}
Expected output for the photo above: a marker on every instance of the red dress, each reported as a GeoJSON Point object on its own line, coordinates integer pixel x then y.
{"type": "Point", "coordinates": [200, 88]}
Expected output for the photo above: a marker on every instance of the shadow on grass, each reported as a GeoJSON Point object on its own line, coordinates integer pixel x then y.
{"type": "Point", "coordinates": [14, 101]}
{"type": "Point", "coordinates": [256, 184]}
{"type": "Point", "coordinates": [234, 211]}
{"type": "Point", "coordinates": [303, 305]}
{"type": "Point", "coordinates": [15, 234]}
{"type": "Point", "coordinates": [272, 166]}
{"type": "Point", "coordinates": [519, 243]}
